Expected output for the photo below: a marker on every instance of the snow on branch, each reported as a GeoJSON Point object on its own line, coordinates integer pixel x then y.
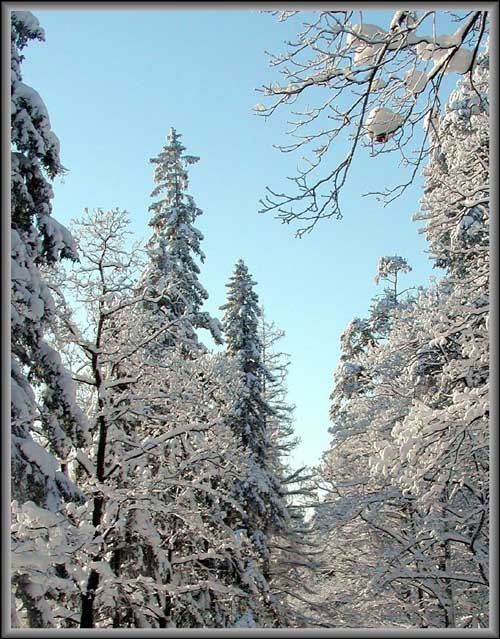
{"type": "Point", "coordinates": [366, 87]}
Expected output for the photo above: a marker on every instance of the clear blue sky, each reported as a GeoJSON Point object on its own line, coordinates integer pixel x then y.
{"type": "Point", "coordinates": [115, 82]}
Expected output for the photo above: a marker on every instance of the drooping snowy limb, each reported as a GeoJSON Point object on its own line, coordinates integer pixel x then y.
{"type": "Point", "coordinates": [46, 422]}
{"type": "Point", "coordinates": [372, 87]}
{"type": "Point", "coordinates": [36, 239]}
{"type": "Point", "coordinates": [45, 547]}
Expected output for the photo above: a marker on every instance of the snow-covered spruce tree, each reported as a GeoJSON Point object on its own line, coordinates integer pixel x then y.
{"type": "Point", "coordinates": [45, 421]}
{"type": "Point", "coordinates": [292, 551]}
{"type": "Point", "coordinates": [175, 296]}
{"type": "Point", "coordinates": [258, 491]}
{"type": "Point", "coordinates": [174, 293]}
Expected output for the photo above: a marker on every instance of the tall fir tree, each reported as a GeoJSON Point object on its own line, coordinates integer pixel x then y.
{"type": "Point", "coordinates": [174, 294]}
{"type": "Point", "coordinates": [173, 299]}
{"type": "Point", "coordinates": [259, 491]}
{"type": "Point", "coordinates": [46, 423]}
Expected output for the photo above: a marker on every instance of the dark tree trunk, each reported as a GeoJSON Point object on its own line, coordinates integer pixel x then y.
{"type": "Point", "coordinates": [167, 608]}
{"type": "Point", "coordinates": [87, 618]}
{"type": "Point", "coordinates": [87, 614]}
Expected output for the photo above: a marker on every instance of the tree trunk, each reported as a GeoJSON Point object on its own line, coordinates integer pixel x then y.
{"type": "Point", "coordinates": [87, 618]}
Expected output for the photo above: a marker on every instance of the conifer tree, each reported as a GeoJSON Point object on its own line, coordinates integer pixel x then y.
{"type": "Point", "coordinates": [46, 423]}
{"type": "Point", "coordinates": [258, 491]}
{"type": "Point", "coordinates": [174, 293]}
{"type": "Point", "coordinates": [37, 240]}
{"type": "Point", "coordinates": [241, 324]}
{"type": "Point", "coordinates": [173, 299]}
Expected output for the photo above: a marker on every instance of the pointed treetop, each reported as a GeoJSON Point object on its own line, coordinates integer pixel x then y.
{"type": "Point", "coordinates": [240, 265]}
{"type": "Point", "coordinates": [240, 268]}
{"type": "Point", "coordinates": [240, 287]}
{"type": "Point", "coordinates": [173, 138]}
{"type": "Point", "coordinates": [241, 313]}
{"type": "Point", "coordinates": [171, 170]}
{"type": "Point", "coordinates": [241, 272]}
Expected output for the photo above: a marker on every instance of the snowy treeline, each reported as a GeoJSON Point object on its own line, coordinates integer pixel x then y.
{"type": "Point", "coordinates": [405, 482]}
{"type": "Point", "coordinates": [151, 485]}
